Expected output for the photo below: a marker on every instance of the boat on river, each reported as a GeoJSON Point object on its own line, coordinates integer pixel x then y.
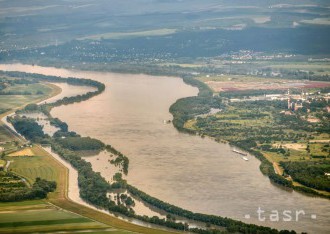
{"type": "Point", "coordinates": [239, 152]}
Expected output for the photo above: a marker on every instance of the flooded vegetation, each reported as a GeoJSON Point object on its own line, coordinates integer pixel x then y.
{"type": "Point", "coordinates": [201, 116]}
{"type": "Point", "coordinates": [194, 173]}
{"type": "Point", "coordinates": [43, 121]}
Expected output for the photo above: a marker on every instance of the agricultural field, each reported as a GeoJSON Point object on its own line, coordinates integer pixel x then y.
{"type": "Point", "coordinates": [30, 89]}
{"type": "Point", "coordinates": [20, 180]}
{"type": "Point", "coordinates": [37, 164]}
{"type": "Point", "coordinates": [5, 136]}
{"type": "Point", "coordinates": [9, 142]}
{"type": "Point", "coordinates": [227, 83]}
{"type": "Point", "coordinates": [12, 102]}
{"type": "Point", "coordinates": [40, 216]}
{"type": "Point", "coordinates": [236, 78]}
{"type": "Point", "coordinates": [298, 152]}
{"type": "Point", "coordinates": [121, 35]}
{"type": "Point", "coordinates": [2, 163]}
{"type": "Point", "coordinates": [16, 92]}
{"type": "Point", "coordinates": [11, 184]}
{"type": "Point", "coordinates": [24, 152]}
{"type": "Point", "coordinates": [321, 67]}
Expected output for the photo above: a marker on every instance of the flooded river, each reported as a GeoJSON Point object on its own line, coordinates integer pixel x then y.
{"type": "Point", "coordinates": [188, 171]}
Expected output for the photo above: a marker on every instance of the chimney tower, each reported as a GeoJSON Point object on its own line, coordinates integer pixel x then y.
{"type": "Point", "coordinates": [289, 100]}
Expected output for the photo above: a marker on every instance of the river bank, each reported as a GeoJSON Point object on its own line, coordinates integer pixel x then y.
{"type": "Point", "coordinates": [3, 117]}
{"type": "Point", "coordinates": [206, 173]}
{"type": "Point", "coordinates": [72, 189]}
{"type": "Point", "coordinates": [74, 196]}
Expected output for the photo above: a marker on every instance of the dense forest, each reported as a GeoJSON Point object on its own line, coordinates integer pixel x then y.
{"type": "Point", "coordinates": [311, 174]}
{"type": "Point", "coordinates": [80, 143]}
{"type": "Point", "coordinates": [187, 108]}
{"type": "Point", "coordinates": [27, 127]}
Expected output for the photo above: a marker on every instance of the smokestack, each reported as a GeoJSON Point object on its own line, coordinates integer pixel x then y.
{"type": "Point", "coordinates": [289, 100]}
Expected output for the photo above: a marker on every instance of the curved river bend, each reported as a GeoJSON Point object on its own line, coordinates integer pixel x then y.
{"type": "Point", "coordinates": [188, 171]}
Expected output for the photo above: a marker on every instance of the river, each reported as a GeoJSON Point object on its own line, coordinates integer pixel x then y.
{"type": "Point", "coordinates": [188, 171]}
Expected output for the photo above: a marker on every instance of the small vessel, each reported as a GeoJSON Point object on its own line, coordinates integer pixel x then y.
{"type": "Point", "coordinates": [245, 158]}
{"type": "Point", "coordinates": [239, 152]}
{"type": "Point", "coordinates": [167, 121]}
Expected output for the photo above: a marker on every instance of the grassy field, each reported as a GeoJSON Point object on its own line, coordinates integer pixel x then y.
{"type": "Point", "coordinates": [184, 65]}
{"type": "Point", "coordinates": [11, 103]}
{"type": "Point", "coordinates": [2, 163]}
{"type": "Point", "coordinates": [14, 101]}
{"type": "Point", "coordinates": [298, 151]}
{"type": "Point", "coordinates": [320, 68]}
{"type": "Point", "coordinates": [31, 88]}
{"type": "Point", "coordinates": [23, 152]}
{"type": "Point", "coordinates": [40, 216]}
{"type": "Point", "coordinates": [237, 78]}
{"type": "Point", "coordinates": [38, 164]}
{"type": "Point", "coordinates": [239, 83]}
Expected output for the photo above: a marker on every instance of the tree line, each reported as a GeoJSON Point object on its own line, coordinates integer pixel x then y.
{"type": "Point", "coordinates": [15, 189]}
{"type": "Point", "coordinates": [311, 174]}
{"type": "Point", "coordinates": [94, 188]}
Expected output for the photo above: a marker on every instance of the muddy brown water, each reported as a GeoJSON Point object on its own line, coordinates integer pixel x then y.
{"type": "Point", "coordinates": [185, 170]}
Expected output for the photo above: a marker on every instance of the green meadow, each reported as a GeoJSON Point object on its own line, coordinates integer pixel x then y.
{"type": "Point", "coordinates": [40, 216]}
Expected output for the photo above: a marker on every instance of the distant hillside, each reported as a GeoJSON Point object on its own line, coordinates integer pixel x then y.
{"type": "Point", "coordinates": [35, 23]}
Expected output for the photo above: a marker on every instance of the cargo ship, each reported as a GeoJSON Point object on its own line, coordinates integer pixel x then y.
{"type": "Point", "coordinates": [239, 152]}
{"type": "Point", "coordinates": [245, 158]}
